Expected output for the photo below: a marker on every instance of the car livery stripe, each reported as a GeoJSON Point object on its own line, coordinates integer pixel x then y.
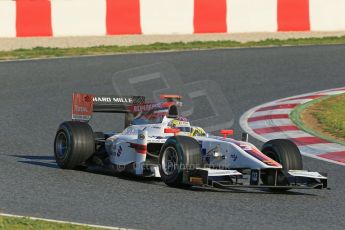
{"type": "Point", "coordinates": [142, 149]}
{"type": "Point", "coordinates": [262, 123]}
{"type": "Point", "coordinates": [250, 150]}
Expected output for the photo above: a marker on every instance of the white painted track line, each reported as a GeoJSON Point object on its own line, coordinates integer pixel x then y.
{"type": "Point", "coordinates": [63, 222]}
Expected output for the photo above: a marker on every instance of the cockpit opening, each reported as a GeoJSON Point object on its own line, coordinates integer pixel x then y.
{"type": "Point", "coordinates": [173, 112]}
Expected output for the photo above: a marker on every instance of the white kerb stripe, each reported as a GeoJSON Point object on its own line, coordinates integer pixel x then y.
{"type": "Point", "coordinates": [317, 149]}
{"type": "Point", "coordinates": [297, 101]}
{"type": "Point", "coordinates": [251, 16]}
{"type": "Point", "coordinates": [327, 15]}
{"type": "Point", "coordinates": [270, 123]}
{"type": "Point", "coordinates": [63, 222]}
{"type": "Point", "coordinates": [286, 135]}
{"type": "Point", "coordinates": [78, 17]}
{"type": "Point", "coordinates": [167, 16]}
{"type": "Point", "coordinates": [7, 18]}
{"type": "Point", "coordinates": [334, 92]}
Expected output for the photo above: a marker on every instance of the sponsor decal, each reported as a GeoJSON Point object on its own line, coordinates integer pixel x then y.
{"type": "Point", "coordinates": [82, 107]}
{"type": "Point", "coordinates": [144, 107]}
{"type": "Point", "coordinates": [130, 131]}
{"type": "Point", "coordinates": [112, 99]}
{"type": "Point", "coordinates": [233, 157]}
{"type": "Point", "coordinates": [119, 151]}
{"type": "Point", "coordinates": [141, 136]}
{"type": "Point", "coordinates": [254, 177]}
{"type": "Point", "coordinates": [157, 141]}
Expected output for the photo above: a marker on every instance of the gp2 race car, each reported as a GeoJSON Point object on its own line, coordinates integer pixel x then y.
{"type": "Point", "coordinates": [158, 142]}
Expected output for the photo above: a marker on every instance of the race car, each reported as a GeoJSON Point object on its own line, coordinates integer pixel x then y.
{"type": "Point", "coordinates": [158, 142]}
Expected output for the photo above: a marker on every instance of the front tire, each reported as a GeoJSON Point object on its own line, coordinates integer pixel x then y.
{"type": "Point", "coordinates": [287, 154]}
{"type": "Point", "coordinates": [74, 144]}
{"type": "Point", "coordinates": [178, 154]}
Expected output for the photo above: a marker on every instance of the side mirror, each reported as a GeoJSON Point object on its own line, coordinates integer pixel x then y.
{"type": "Point", "coordinates": [226, 132]}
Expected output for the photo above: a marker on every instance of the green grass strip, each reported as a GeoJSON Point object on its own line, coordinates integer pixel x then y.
{"type": "Point", "coordinates": [45, 52]}
{"type": "Point", "coordinates": [23, 223]}
{"type": "Point", "coordinates": [296, 118]}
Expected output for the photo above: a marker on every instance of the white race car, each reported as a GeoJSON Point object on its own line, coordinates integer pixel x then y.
{"type": "Point", "coordinates": [158, 142]}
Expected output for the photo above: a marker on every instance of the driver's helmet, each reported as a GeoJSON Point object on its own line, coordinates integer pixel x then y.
{"type": "Point", "coordinates": [186, 129]}
{"type": "Point", "coordinates": [182, 125]}
{"type": "Point", "coordinates": [197, 131]}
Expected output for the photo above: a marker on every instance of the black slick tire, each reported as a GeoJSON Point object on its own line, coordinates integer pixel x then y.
{"type": "Point", "coordinates": [74, 144]}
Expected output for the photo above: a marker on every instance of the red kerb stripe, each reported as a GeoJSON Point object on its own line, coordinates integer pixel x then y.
{"type": "Point", "coordinates": [293, 15]}
{"type": "Point", "coordinates": [308, 140]}
{"type": "Point", "coordinates": [336, 156]}
{"type": "Point", "coordinates": [268, 117]}
{"type": "Point", "coordinates": [273, 107]}
{"type": "Point", "coordinates": [123, 17]}
{"type": "Point", "coordinates": [210, 16]}
{"type": "Point", "coordinates": [275, 129]}
{"type": "Point", "coordinates": [33, 18]}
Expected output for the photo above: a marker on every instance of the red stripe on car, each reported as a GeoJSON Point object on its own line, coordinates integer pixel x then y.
{"type": "Point", "coordinates": [262, 157]}
{"type": "Point", "coordinates": [142, 149]}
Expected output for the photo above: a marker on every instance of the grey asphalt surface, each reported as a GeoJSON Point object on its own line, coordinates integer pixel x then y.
{"type": "Point", "coordinates": [36, 97]}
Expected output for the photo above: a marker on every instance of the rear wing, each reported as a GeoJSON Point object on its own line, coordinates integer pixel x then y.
{"type": "Point", "coordinates": [83, 105]}
{"type": "Point", "coordinates": [177, 99]}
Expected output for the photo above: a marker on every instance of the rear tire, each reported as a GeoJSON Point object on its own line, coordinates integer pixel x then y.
{"type": "Point", "coordinates": [287, 154]}
{"type": "Point", "coordinates": [74, 144]}
{"type": "Point", "coordinates": [178, 154]}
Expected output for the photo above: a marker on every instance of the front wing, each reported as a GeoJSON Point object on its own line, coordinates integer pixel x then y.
{"type": "Point", "coordinates": [226, 179]}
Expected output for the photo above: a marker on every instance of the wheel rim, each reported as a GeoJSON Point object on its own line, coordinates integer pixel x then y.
{"type": "Point", "coordinates": [61, 145]}
{"type": "Point", "coordinates": [169, 161]}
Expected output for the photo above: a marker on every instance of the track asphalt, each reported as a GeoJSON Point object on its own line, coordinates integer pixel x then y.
{"type": "Point", "coordinates": [36, 97]}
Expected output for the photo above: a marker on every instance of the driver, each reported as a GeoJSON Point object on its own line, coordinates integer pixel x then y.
{"type": "Point", "coordinates": [186, 129]}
